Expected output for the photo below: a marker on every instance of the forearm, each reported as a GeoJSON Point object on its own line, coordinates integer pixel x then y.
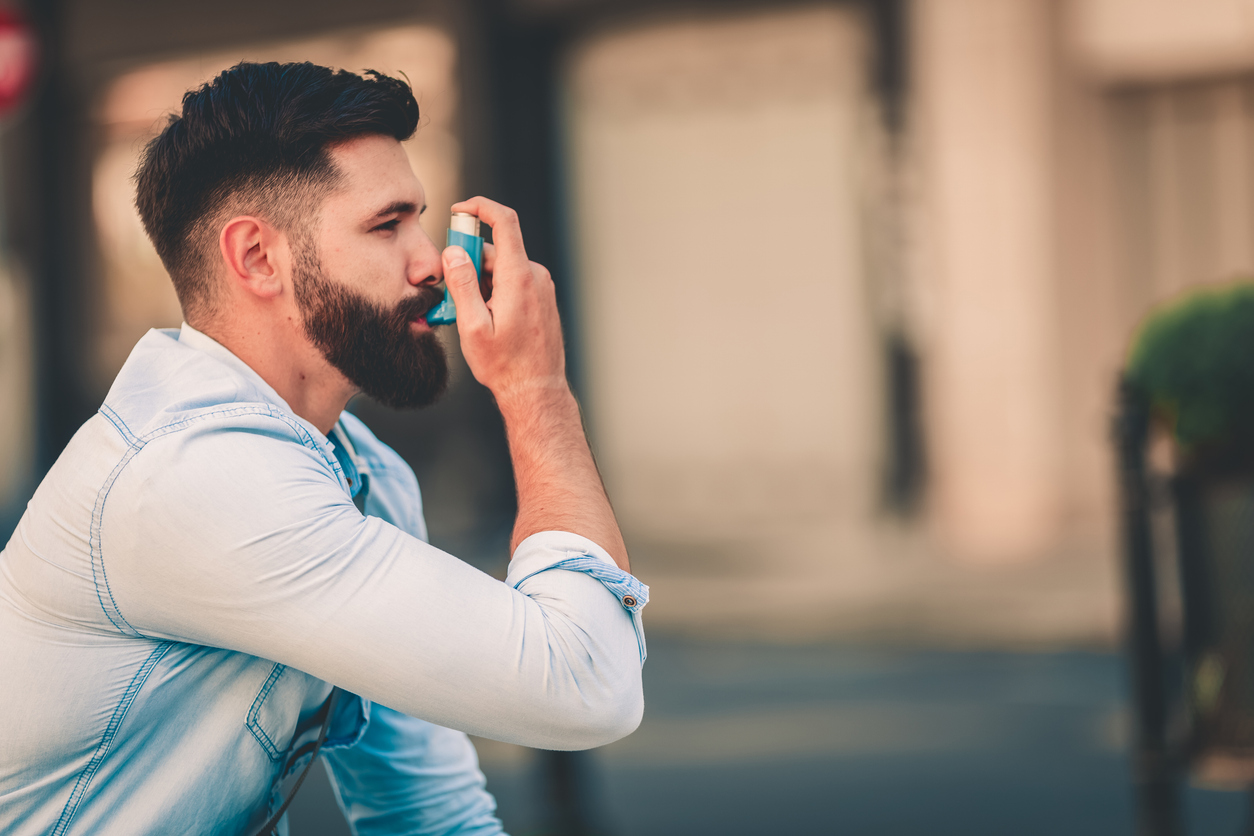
{"type": "Point", "coordinates": [559, 488]}
{"type": "Point", "coordinates": [513, 345]}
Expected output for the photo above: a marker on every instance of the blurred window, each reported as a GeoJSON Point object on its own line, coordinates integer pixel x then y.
{"type": "Point", "coordinates": [1184, 164]}
{"type": "Point", "coordinates": [135, 291]}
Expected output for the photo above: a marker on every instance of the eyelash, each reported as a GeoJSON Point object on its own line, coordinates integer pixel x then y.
{"type": "Point", "coordinates": [389, 225]}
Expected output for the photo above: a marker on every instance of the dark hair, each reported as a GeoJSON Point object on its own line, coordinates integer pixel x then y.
{"type": "Point", "coordinates": [255, 140]}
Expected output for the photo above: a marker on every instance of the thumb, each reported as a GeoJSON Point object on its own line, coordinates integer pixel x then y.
{"type": "Point", "coordinates": [463, 285]}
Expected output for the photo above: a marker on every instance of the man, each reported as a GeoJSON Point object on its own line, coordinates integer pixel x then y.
{"type": "Point", "coordinates": [221, 544]}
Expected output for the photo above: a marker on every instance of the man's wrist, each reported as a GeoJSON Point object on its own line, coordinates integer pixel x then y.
{"type": "Point", "coordinates": [535, 398]}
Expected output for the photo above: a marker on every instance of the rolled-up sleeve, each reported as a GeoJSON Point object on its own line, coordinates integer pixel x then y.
{"type": "Point", "coordinates": [239, 538]}
{"type": "Point", "coordinates": [569, 552]}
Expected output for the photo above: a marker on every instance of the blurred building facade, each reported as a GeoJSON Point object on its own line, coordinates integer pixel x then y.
{"type": "Point", "coordinates": [847, 285]}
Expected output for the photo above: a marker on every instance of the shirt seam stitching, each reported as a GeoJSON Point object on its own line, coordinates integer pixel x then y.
{"type": "Point", "coordinates": [106, 741]}
{"type": "Point", "coordinates": [116, 420]}
{"type": "Point", "coordinates": [252, 722]}
{"type": "Point", "coordinates": [138, 444]}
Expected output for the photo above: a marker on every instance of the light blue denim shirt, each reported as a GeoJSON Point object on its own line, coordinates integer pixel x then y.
{"type": "Point", "coordinates": [192, 574]}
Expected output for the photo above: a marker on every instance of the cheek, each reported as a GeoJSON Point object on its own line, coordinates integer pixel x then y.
{"type": "Point", "coordinates": [364, 266]}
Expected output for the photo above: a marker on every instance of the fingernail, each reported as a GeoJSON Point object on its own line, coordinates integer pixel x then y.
{"type": "Point", "coordinates": [455, 256]}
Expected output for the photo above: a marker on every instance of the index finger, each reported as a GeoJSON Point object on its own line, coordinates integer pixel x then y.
{"type": "Point", "coordinates": [506, 233]}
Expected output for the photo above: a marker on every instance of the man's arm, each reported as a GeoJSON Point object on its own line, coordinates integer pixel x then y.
{"type": "Point", "coordinates": [230, 532]}
{"type": "Point", "coordinates": [513, 345]}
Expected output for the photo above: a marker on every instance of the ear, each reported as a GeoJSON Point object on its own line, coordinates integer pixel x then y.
{"type": "Point", "coordinates": [255, 255]}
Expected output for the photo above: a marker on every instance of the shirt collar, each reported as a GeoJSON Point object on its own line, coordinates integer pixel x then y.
{"type": "Point", "coordinates": [201, 341]}
{"type": "Point", "coordinates": [356, 472]}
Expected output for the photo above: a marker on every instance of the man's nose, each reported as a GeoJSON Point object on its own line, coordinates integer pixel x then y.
{"type": "Point", "coordinates": [426, 267]}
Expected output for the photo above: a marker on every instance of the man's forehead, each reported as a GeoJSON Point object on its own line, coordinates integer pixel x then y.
{"type": "Point", "coordinates": [375, 172]}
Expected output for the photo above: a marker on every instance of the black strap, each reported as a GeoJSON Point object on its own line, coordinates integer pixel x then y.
{"type": "Point", "coordinates": [329, 706]}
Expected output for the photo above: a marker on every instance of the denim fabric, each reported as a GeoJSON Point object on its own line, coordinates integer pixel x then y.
{"type": "Point", "coordinates": [195, 570]}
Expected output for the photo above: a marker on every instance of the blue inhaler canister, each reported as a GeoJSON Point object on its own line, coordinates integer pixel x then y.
{"type": "Point", "coordinates": [463, 231]}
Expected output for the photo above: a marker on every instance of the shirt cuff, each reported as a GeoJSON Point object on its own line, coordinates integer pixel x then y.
{"type": "Point", "coordinates": [563, 550]}
{"type": "Point", "coordinates": [547, 550]}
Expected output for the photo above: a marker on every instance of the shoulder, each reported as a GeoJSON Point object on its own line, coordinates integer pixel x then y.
{"type": "Point", "coordinates": [216, 493]}
{"type": "Point", "coordinates": [166, 386]}
{"type": "Point", "coordinates": [209, 438]}
{"type": "Point", "coordinates": [223, 460]}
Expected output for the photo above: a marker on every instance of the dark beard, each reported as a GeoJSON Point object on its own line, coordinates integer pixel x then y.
{"type": "Point", "coordinates": [372, 346]}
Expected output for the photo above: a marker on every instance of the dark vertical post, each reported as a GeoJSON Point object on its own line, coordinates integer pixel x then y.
{"type": "Point", "coordinates": [1196, 585]}
{"type": "Point", "coordinates": [45, 222]}
{"type": "Point", "coordinates": [905, 466]}
{"type": "Point", "coordinates": [526, 143]}
{"type": "Point", "coordinates": [1155, 768]}
{"type": "Point", "coordinates": [571, 798]}
{"type": "Point", "coordinates": [903, 479]}
{"type": "Point", "coordinates": [890, 72]}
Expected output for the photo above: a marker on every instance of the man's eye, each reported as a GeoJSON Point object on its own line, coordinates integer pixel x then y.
{"type": "Point", "coordinates": [389, 225]}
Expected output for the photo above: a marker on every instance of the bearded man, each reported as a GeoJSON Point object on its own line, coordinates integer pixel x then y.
{"type": "Point", "coordinates": [225, 574]}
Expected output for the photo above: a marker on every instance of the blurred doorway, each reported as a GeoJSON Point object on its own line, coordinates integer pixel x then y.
{"type": "Point", "coordinates": [717, 171]}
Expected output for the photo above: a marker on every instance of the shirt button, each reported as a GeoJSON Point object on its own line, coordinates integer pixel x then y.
{"type": "Point", "coordinates": [629, 601]}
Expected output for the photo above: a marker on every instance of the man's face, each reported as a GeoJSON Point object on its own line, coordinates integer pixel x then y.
{"type": "Point", "coordinates": [366, 274]}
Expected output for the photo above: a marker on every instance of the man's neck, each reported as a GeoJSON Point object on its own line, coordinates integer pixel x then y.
{"type": "Point", "coordinates": [284, 358]}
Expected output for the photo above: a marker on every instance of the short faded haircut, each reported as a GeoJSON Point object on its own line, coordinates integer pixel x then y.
{"type": "Point", "coordinates": [255, 140]}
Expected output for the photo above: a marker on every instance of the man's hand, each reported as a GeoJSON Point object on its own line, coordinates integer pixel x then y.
{"type": "Point", "coordinates": [513, 345]}
{"type": "Point", "coordinates": [513, 341]}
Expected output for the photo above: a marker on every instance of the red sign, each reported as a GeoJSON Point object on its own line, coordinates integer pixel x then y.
{"type": "Point", "coordinates": [18, 55]}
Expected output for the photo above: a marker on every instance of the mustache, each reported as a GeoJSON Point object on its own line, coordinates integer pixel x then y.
{"type": "Point", "coordinates": [413, 307]}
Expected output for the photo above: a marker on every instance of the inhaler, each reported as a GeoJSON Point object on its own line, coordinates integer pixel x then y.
{"type": "Point", "coordinates": [463, 230]}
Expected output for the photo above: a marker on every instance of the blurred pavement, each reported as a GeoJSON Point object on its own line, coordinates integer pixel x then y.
{"type": "Point", "coordinates": [765, 739]}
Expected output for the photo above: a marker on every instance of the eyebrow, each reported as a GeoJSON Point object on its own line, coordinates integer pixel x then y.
{"type": "Point", "coordinates": [399, 207]}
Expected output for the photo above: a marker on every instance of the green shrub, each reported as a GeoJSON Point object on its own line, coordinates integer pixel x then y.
{"type": "Point", "coordinates": [1194, 361]}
